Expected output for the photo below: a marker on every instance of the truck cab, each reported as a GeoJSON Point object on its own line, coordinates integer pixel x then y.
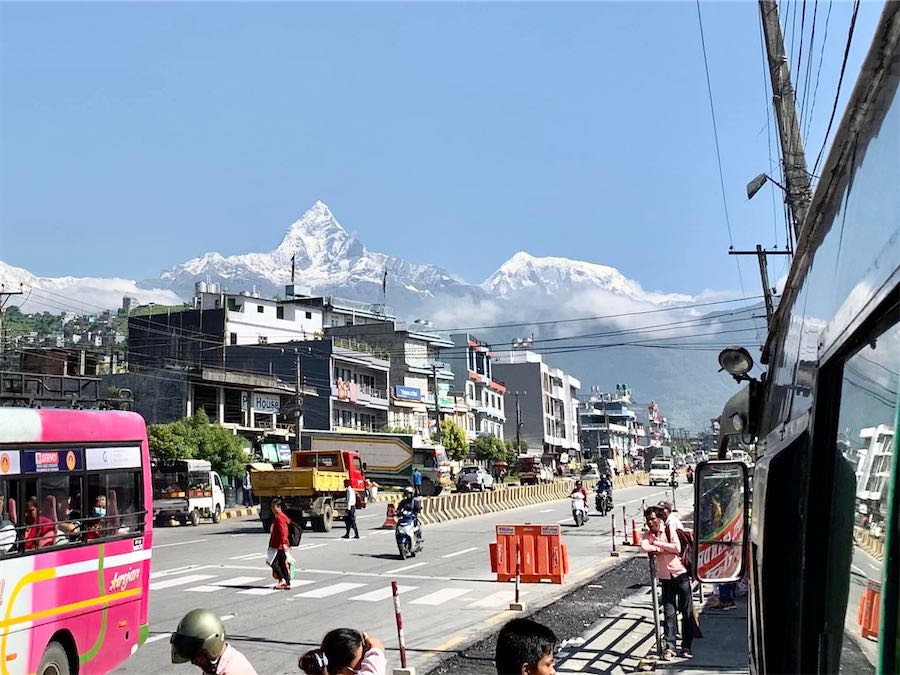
{"type": "Point", "coordinates": [186, 490]}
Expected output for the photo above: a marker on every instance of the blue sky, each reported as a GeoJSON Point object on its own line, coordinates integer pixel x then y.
{"type": "Point", "coordinates": [136, 136]}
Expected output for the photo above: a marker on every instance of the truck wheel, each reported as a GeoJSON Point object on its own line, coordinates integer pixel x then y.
{"type": "Point", "coordinates": [266, 525]}
{"type": "Point", "coordinates": [162, 520]}
{"type": "Point", "coordinates": [55, 661]}
{"type": "Point", "coordinates": [323, 523]}
{"type": "Point", "coordinates": [217, 514]}
{"type": "Point", "coordinates": [427, 488]}
{"type": "Point", "coordinates": [195, 517]}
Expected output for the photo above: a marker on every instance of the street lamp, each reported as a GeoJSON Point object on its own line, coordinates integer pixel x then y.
{"type": "Point", "coordinates": [756, 184]}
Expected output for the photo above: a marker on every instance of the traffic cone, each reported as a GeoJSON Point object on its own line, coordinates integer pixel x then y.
{"type": "Point", "coordinates": [635, 535]}
{"type": "Point", "coordinates": [390, 520]}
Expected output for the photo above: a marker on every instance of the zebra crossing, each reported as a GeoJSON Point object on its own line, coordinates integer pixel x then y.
{"type": "Point", "coordinates": [207, 581]}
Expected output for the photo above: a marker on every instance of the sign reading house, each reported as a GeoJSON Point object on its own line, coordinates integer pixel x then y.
{"type": "Point", "coordinates": [262, 403]}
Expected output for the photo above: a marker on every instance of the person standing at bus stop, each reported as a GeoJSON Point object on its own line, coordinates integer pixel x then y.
{"type": "Point", "coordinates": [675, 581]}
{"type": "Point", "coordinates": [417, 482]}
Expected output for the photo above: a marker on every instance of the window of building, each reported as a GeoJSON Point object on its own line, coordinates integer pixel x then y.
{"type": "Point", "coordinates": [309, 316]}
{"type": "Point", "coordinates": [279, 312]}
{"type": "Point", "coordinates": [232, 338]}
{"type": "Point", "coordinates": [260, 309]}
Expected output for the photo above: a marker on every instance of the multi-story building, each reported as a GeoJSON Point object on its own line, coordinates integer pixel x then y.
{"type": "Point", "coordinates": [609, 427]}
{"type": "Point", "coordinates": [418, 376]}
{"type": "Point", "coordinates": [873, 472]}
{"type": "Point", "coordinates": [547, 402]}
{"type": "Point", "coordinates": [470, 360]}
{"type": "Point", "coordinates": [350, 379]}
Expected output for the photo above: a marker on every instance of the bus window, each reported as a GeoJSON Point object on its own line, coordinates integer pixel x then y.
{"type": "Point", "coordinates": [116, 504]}
{"type": "Point", "coordinates": [864, 474]}
{"type": "Point", "coordinates": [8, 516]}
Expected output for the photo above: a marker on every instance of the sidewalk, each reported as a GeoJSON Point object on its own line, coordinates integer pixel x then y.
{"type": "Point", "coordinates": [624, 642]}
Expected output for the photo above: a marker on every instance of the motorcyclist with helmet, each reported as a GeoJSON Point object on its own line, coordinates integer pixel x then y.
{"type": "Point", "coordinates": [580, 490]}
{"type": "Point", "coordinates": [410, 505]}
{"type": "Point", "coordinates": [200, 639]}
{"type": "Point", "coordinates": [605, 485]}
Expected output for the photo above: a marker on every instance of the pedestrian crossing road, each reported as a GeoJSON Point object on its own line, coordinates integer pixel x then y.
{"type": "Point", "coordinates": [447, 592]}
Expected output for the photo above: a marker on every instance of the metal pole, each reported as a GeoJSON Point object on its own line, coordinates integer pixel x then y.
{"type": "Point", "coordinates": [518, 569]}
{"type": "Point", "coordinates": [437, 404]}
{"type": "Point", "coordinates": [674, 504]}
{"type": "Point", "coordinates": [298, 393]}
{"type": "Point", "coordinates": [400, 636]}
{"type": "Point", "coordinates": [625, 541]}
{"type": "Point", "coordinates": [651, 557]}
{"type": "Point", "coordinates": [612, 520]}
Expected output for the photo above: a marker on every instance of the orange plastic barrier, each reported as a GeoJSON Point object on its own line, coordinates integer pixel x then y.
{"type": "Point", "coordinates": [543, 556]}
{"type": "Point", "coordinates": [869, 613]}
{"type": "Point", "coordinates": [390, 518]}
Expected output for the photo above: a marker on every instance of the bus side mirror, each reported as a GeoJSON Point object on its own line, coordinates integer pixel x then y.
{"type": "Point", "coordinates": [721, 509]}
{"type": "Point", "coordinates": [365, 466]}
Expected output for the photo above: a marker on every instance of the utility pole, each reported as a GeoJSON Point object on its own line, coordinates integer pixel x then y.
{"type": "Point", "coordinates": [796, 175]}
{"type": "Point", "coordinates": [519, 423]}
{"type": "Point", "coordinates": [768, 291]}
{"type": "Point", "coordinates": [4, 298]}
{"type": "Point", "coordinates": [437, 404]}
{"type": "Point", "coordinates": [299, 395]}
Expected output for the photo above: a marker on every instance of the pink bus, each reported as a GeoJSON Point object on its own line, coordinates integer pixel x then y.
{"type": "Point", "coordinates": [75, 534]}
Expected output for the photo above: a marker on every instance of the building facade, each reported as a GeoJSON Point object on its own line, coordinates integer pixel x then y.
{"type": "Point", "coordinates": [610, 429]}
{"type": "Point", "coordinates": [419, 379]}
{"type": "Point", "coordinates": [471, 362]}
{"type": "Point", "coordinates": [547, 403]}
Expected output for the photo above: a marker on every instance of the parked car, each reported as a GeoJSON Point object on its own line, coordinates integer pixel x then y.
{"type": "Point", "coordinates": [474, 478]}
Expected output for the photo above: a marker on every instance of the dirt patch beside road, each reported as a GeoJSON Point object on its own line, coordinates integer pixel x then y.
{"type": "Point", "coordinates": [568, 617]}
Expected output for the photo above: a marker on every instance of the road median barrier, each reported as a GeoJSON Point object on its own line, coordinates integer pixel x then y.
{"type": "Point", "coordinates": [240, 512]}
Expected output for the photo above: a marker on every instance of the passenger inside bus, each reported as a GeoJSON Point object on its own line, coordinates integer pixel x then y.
{"type": "Point", "coordinates": [96, 523]}
{"type": "Point", "coordinates": [7, 532]}
{"type": "Point", "coordinates": [39, 529]}
{"type": "Point", "coordinates": [70, 517]}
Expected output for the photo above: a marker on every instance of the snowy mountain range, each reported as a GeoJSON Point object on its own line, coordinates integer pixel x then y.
{"type": "Point", "coordinates": [331, 261]}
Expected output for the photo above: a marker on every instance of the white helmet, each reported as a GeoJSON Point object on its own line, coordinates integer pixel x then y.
{"type": "Point", "coordinates": [408, 491]}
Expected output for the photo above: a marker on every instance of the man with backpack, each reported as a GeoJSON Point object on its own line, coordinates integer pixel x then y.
{"type": "Point", "coordinates": [665, 544]}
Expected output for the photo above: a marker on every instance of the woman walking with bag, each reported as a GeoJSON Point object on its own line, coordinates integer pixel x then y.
{"type": "Point", "coordinates": [278, 554]}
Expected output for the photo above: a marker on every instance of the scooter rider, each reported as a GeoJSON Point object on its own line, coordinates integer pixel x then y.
{"type": "Point", "coordinates": [579, 489]}
{"type": "Point", "coordinates": [410, 505]}
{"type": "Point", "coordinates": [605, 485]}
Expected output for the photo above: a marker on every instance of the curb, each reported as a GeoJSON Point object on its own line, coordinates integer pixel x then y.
{"type": "Point", "coordinates": [240, 513]}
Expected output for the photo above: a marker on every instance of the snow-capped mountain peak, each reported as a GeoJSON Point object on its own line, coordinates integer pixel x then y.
{"type": "Point", "coordinates": [317, 239]}
{"type": "Point", "coordinates": [550, 274]}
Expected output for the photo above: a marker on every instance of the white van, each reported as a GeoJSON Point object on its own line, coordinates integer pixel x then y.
{"type": "Point", "coordinates": [661, 470]}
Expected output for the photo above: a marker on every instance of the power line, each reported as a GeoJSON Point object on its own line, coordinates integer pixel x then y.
{"type": "Point", "coordinates": [812, 105]}
{"type": "Point", "coordinates": [837, 94]}
{"type": "Point", "coordinates": [812, 44]}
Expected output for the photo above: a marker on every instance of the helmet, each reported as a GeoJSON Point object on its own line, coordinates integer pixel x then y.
{"type": "Point", "coordinates": [577, 483]}
{"type": "Point", "coordinates": [408, 491]}
{"type": "Point", "coordinates": [200, 631]}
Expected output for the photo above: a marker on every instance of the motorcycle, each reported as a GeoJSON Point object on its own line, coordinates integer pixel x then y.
{"type": "Point", "coordinates": [579, 509]}
{"type": "Point", "coordinates": [603, 502]}
{"type": "Point", "coordinates": [408, 533]}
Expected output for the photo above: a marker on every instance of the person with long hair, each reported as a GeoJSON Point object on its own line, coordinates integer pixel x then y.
{"type": "Point", "coordinates": [345, 651]}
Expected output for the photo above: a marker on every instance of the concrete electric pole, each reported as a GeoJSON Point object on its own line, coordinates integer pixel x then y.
{"type": "Point", "coordinates": [437, 403]}
{"type": "Point", "coordinates": [796, 175]}
{"type": "Point", "coordinates": [5, 295]}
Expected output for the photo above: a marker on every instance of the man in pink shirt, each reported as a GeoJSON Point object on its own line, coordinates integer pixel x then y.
{"type": "Point", "coordinates": [665, 547]}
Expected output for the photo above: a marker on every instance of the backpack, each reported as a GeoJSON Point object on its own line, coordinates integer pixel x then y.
{"type": "Point", "coordinates": [686, 539]}
{"type": "Point", "coordinates": [295, 533]}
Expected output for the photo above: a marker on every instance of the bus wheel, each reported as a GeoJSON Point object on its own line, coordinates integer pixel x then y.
{"type": "Point", "coordinates": [55, 661]}
{"type": "Point", "coordinates": [217, 514]}
{"type": "Point", "coordinates": [195, 517]}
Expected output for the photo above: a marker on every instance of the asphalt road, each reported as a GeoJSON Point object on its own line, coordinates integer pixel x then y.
{"type": "Point", "coordinates": [448, 595]}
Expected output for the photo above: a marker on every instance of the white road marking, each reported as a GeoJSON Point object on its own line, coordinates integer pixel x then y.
{"type": "Point", "coordinates": [440, 597]}
{"type": "Point", "coordinates": [178, 543]}
{"type": "Point", "coordinates": [327, 591]}
{"type": "Point", "coordinates": [382, 593]}
{"type": "Point", "coordinates": [242, 534]}
{"type": "Point", "coordinates": [407, 567]}
{"type": "Point", "coordinates": [205, 589]}
{"type": "Point", "coordinates": [307, 547]}
{"type": "Point", "coordinates": [369, 515]}
{"type": "Point", "coordinates": [179, 581]}
{"type": "Point", "coordinates": [259, 591]}
{"type": "Point", "coordinates": [247, 556]}
{"type": "Point", "coordinates": [238, 581]}
{"type": "Point", "coordinates": [226, 617]}
{"type": "Point", "coordinates": [564, 520]}
{"type": "Point", "coordinates": [175, 570]}
{"type": "Point", "coordinates": [498, 599]}
{"type": "Point", "coordinates": [465, 550]}
{"type": "Point", "coordinates": [157, 638]}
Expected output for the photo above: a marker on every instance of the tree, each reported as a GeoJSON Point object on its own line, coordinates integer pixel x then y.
{"type": "Point", "coordinates": [454, 440]}
{"type": "Point", "coordinates": [196, 438]}
{"type": "Point", "coordinates": [514, 450]}
{"type": "Point", "coordinates": [489, 447]}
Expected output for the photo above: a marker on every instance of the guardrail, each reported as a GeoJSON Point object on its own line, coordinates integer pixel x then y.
{"type": "Point", "coordinates": [466, 504]}
{"type": "Point", "coordinates": [869, 543]}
